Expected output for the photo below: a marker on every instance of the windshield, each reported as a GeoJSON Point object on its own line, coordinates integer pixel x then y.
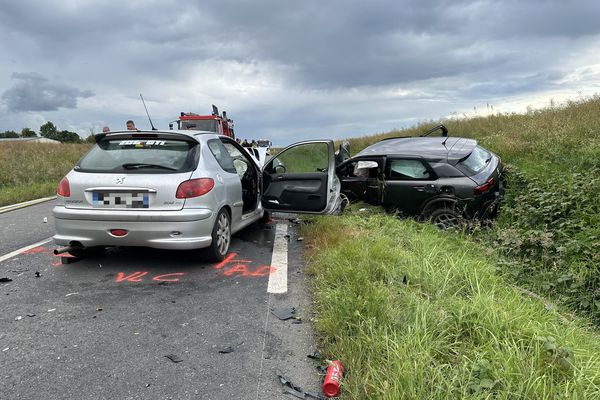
{"type": "Point", "coordinates": [140, 156]}
{"type": "Point", "coordinates": [263, 143]}
{"type": "Point", "coordinates": [209, 125]}
{"type": "Point", "coordinates": [476, 161]}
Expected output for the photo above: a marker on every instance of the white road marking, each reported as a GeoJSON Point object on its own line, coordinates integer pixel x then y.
{"type": "Point", "coordinates": [279, 261]}
{"type": "Point", "coordinates": [24, 249]}
{"type": "Point", "coordinates": [25, 204]}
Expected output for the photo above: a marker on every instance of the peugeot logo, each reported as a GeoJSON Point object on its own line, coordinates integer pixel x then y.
{"type": "Point", "coordinates": [120, 180]}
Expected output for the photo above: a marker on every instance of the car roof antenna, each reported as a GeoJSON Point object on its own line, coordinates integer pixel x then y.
{"type": "Point", "coordinates": [149, 119]}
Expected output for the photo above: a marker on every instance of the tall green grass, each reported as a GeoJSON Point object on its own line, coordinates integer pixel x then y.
{"type": "Point", "coordinates": [549, 228]}
{"type": "Point", "coordinates": [33, 170]}
{"type": "Point", "coordinates": [416, 313]}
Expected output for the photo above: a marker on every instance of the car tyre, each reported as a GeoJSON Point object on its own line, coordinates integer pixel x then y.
{"type": "Point", "coordinates": [221, 237]}
{"type": "Point", "coordinates": [446, 218]}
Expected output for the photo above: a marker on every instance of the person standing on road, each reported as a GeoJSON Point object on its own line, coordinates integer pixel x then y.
{"type": "Point", "coordinates": [131, 126]}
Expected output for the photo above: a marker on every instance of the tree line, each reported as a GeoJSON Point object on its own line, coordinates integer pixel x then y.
{"type": "Point", "coordinates": [48, 130]}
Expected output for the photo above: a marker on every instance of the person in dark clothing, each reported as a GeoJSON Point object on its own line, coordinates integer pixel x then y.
{"type": "Point", "coordinates": [245, 143]}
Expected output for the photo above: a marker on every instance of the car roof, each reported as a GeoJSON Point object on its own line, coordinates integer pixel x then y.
{"type": "Point", "coordinates": [450, 148]}
{"type": "Point", "coordinates": [189, 133]}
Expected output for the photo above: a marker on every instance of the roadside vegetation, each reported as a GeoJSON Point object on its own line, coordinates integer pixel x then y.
{"type": "Point", "coordinates": [417, 313]}
{"type": "Point", "coordinates": [33, 170]}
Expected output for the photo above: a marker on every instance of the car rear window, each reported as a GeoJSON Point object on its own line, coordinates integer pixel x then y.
{"type": "Point", "coordinates": [145, 156]}
{"type": "Point", "coordinates": [476, 161]}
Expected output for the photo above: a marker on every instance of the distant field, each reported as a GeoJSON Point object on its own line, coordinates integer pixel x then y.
{"type": "Point", "coordinates": [33, 170]}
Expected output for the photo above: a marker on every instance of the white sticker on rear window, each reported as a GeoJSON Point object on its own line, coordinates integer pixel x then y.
{"type": "Point", "coordinates": [142, 143]}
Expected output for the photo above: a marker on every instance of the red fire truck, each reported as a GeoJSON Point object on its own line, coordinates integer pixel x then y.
{"type": "Point", "coordinates": [211, 123]}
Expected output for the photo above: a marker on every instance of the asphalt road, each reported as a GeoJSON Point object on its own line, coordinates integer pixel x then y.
{"type": "Point", "coordinates": [104, 327]}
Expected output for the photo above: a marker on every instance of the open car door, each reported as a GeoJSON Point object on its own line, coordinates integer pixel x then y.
{"type": "Point", "coordinates": [301, 179]}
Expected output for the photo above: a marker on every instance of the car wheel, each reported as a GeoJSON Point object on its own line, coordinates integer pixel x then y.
{"type": "Point", "coordinates": [221, 237]}
{"type": "Point", "coordinates": [446, 218]}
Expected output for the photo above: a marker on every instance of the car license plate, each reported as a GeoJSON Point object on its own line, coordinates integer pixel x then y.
{"type": "Point", "coordinates": [120, 200]}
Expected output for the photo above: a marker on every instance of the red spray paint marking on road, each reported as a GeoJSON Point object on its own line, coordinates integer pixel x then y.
{"type": "Point", "coordinates": [232, 266]}
{"type": "Point", "coordinates": [45, 250]}
{"type": "Point", "coordinates": [140, 276]}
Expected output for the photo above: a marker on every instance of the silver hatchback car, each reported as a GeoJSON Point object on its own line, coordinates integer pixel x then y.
{"type": "Point", "coordinates": [185, 190]}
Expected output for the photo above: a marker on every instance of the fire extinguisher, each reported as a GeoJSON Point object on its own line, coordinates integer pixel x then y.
{"type": "Point", "coordinates": [333, 378]}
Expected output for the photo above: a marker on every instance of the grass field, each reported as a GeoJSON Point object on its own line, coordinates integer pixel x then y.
{"type": "Point", "coordinates": [33, 170]}
{"type": "Point", "coordinates": [416, 313]}
{"type": "Point", "coordinates": [421, 314]}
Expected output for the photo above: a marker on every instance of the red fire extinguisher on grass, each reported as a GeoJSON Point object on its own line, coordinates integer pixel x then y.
{"type": "Point", "coordinates": [333, 378]}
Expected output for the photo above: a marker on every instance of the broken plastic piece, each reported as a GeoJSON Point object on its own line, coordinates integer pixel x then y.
{"type": "Point", "coordinates": [284, 313]}
{"type": "Point", "coordinates": [4, 280]}
{"type": "Point", "coordinates": [296, 391]}
{"type": "Point", "coordinates": [175, 358]}
{"type": "Point", "coordinates": [226, 350]}
{"type": "Point", "coordinates": [315, 355]}
{"type": "Point", "coordinates": [300, 239]}
{"type": "Point", "coordinates": [37, 274]}
{"type": "Point", "coordinates": [19, 318]}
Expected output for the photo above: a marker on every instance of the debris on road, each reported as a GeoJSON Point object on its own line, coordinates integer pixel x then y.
{"type": "Point", "coordinates": [300, 239]}
{"type": "Point", "coordinates": [71, 294]}
{"type": "Point", "coordinates": [284, 313]}
{"type": "Point", "coordinates": [31, 315]}
{"type": "Point", "coordinates": [315, 355]}
{"type": "Point", "coordinates": [19, 318]}
{"type": "Point", "coordinates": [45, 220]}
{"type": "Point", "coordinates": [226, 350]}
{"type": "Point", "coordinates": [37, 274]}
{"type": "Point", "coordinates": [295, 220]}
{"type": "Point", "coordinates": [5, 280]}
{"type": "Point", "coordinates": [296, 391]}
{"type": "Point", "coordinates": [175, 358]}
{"type": "Point", "coordinates": [99, 308]}
{"type": "Point", "coordinates": [52, 309]}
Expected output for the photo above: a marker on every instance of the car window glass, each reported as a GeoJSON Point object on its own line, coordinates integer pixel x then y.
{"type": "Point", "coordinates": [408, 169]}
{"type": "Point", "coordinates": [240, 161]}
{"type": "Point", "coordinates": [477, 160]}
{"type": "Point", "coordinates": [222, 155]}
{"type": "Point", "coordinates": [139, 155]}
{"type": "Point", "coordinates": [309, 157]}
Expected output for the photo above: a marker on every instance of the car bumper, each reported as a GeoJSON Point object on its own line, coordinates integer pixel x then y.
{"type": "Point", "coordinates": [176, 230]}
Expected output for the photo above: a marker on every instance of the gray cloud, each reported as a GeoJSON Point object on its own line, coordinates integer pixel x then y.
{"type": "Point", "coordinates": [319, 68]}
{"type": "Point", "coordinates": [33, 92]}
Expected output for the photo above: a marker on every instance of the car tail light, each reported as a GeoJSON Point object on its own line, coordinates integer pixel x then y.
{"type": "Point", "coordinates": [485, 187]}
{"type": "Point", "coordinates": [119, 232]}
{"type": "Point", "coordinates": [194, 188]}
{"type": "Point", "coordinates": [64, 189]}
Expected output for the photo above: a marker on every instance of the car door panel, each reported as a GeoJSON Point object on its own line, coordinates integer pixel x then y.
{"type": "Point", "coordinates": [301, 178]}
{"type": "Point", "coordinates": [288, 191]}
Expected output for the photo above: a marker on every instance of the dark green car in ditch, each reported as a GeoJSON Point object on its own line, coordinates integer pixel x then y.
{"type": "Point", "coordinates": [443, 179]}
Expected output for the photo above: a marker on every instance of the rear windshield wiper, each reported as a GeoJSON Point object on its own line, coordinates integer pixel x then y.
{"type": "Point", "coordinates": [144, 165]}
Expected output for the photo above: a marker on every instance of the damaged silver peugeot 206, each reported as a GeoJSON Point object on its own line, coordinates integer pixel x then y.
{"type": "Point", "coordinates": [185, 190]}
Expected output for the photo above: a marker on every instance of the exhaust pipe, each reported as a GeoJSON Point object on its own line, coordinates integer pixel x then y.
{"type": "Point", "coordinates": [66, 249]}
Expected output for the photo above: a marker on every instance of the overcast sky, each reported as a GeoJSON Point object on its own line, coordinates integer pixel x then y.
{"type": "Point", "coordinates": [291, 70]}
